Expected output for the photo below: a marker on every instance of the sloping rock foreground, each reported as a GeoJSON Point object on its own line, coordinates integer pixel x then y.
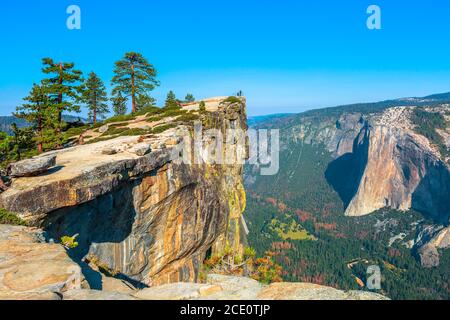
{"type": "Point", "coordinates": [31, 269]}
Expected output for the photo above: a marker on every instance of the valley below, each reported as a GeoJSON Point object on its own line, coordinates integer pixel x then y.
{"type": "Point", "coordinates": [359, 186]}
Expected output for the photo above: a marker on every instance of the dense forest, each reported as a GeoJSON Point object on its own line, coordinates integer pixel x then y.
{"type": "Point", "coordinates": [427, 123]}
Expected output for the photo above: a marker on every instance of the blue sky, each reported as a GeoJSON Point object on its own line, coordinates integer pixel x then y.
{"type": "Point", "coordinates": [286, 56]}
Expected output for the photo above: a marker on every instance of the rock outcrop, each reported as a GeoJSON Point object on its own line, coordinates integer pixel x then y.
{"type": "Point", "coordinates": [31, 269]}
{"type": "Point", "coordinates": [139, 211]}
{"type": "Point", "coordinates": [429, 239]}
{"type": "Point", "coordinates": [32, 167]}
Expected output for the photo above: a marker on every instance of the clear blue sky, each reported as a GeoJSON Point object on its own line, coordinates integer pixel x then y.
{"type": "Point", "coordinates": [287, 56]}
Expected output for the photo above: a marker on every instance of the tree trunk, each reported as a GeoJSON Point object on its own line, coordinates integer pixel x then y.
{"type": "Point", "coordinates": [60, 96]}
{"type": "Point", "coordinates": [94, 111]}
{"type": "Point", "coordinates": [133, 91]}
{"type": "Point", "coordinates": [60, 100]}
{"type": "Point", "coordinates": [40, 146]}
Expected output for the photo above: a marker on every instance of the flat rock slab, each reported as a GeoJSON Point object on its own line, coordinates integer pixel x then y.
{"type": "Point", "coordinates": [309, 291]}
{"type": "Point", "coordinates": [234, 288]}
{"type": "Point", "coordinates": [233, 283]}
{"type": "Point", "coordinates": [86, 294]}
{"type": "Point", "coordinates": [172, 291]}
{"type": "Point", "coordinates": [32, 167]}
{"type": "Point", "coordinates": [34, 296]}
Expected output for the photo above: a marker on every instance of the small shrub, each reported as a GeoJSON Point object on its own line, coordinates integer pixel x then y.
{"type": "Point", "coordinates": [76, 131]}
{"type": "Point", "coordinates": [10, 218]}
{"type": "Point", "coordinates": [202, 106]}
{"type": "Point", "coordinates": [155, 118]}
{"type": "Point", "coordinates": [113, 130]}
{"type": "Point", "coordinates": [97, 125]}
{"type": "Point", "coordinates": [120, 118]}
{"type": "Point", "coordinates": [100, 139]}
{"type": "Point", "coordinates": [232, 99]}
{"type": "Point", "coordinates": [163, 127]}
{"type": "Point", "coordinates": [188, 117]}
{"type": "Point", "coordinates": [135, 132]}
{"type": "Point", "coordinates": [265, 270]}
{"type": "Point", "coordinates": [249, 253]}
{"type": "Point", "coordinates": [102, 267]}
{"type": "Point", "coordinates": [173, 112]}
{"type": "Point", "coordinates": [152, 110]}
{"type": "Point", "coordinates": [69, 242]}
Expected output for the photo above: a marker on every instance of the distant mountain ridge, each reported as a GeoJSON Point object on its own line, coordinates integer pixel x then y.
{"type": "Point", "coordinates": [285, 119]}
{"type": "Point", "coordinates": [7, 121]}
{"type": "Point", "coordinates": [373, 107]}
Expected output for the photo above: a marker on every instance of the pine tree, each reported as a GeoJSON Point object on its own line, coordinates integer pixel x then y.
{"type": "Point", "coordinates": [94, 96]}
{"type": "Point", "coordinates": [63, 88]}
{"type": "Point", "coordinates": [144, 101]}
{"type": "Point", "coordinates": [119, 104]}
{"type": "Point", "coordinates": [22, 141]}
{"type": "Point", "coordinates": [134, 75]}
{"type": "Point", "coordinates": [189, 98]}
{"type": "Point", "coordinates": [171, 101]}
{"type": "Point", "coordinates": [37, 112]}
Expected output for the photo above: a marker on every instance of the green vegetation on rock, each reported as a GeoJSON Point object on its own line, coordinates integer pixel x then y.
{"type": "Point", "coordinates": [426, 124]}
{"type": "Point", "coordinates": [10, 218]}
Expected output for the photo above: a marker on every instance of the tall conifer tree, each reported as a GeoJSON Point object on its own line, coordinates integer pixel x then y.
{"type": "Point", "coordinates": [134, 75]}
{"type": "Point", "coordinates": [94, 96]}
{"type": "Point", "coordinates": [119, 104]}
{"type": "Point", "coordinates": [63, 88]}
{"type": "Point", "coordinates": [38, 112]}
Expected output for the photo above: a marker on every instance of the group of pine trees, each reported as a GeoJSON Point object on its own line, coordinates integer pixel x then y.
{"type": "Point", "coordinates": [65, 90]}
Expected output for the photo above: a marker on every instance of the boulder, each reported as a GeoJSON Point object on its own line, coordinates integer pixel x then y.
{"type": "Point", "coordinates": [141, 149]}
{"type": "Point", "coordinates": [109, 151]}
{"type": "Point", "coordinates": [32, 167]}
{"type": "Point", "coordinates": [103, 129]}
{"type": "Point", "coordinates": [116, 285]}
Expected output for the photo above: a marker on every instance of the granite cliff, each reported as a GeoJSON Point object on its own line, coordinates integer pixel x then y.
{"type": "Point", "coordinates": [136, 209]}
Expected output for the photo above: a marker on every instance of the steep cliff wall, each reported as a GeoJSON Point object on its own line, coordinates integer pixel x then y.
{"type": "Point", "coordinates": [403, 170]}
{"type": "Point", "coordinates": [380, 161]}
{"type": "Point", "coordinates": [150, 218]}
